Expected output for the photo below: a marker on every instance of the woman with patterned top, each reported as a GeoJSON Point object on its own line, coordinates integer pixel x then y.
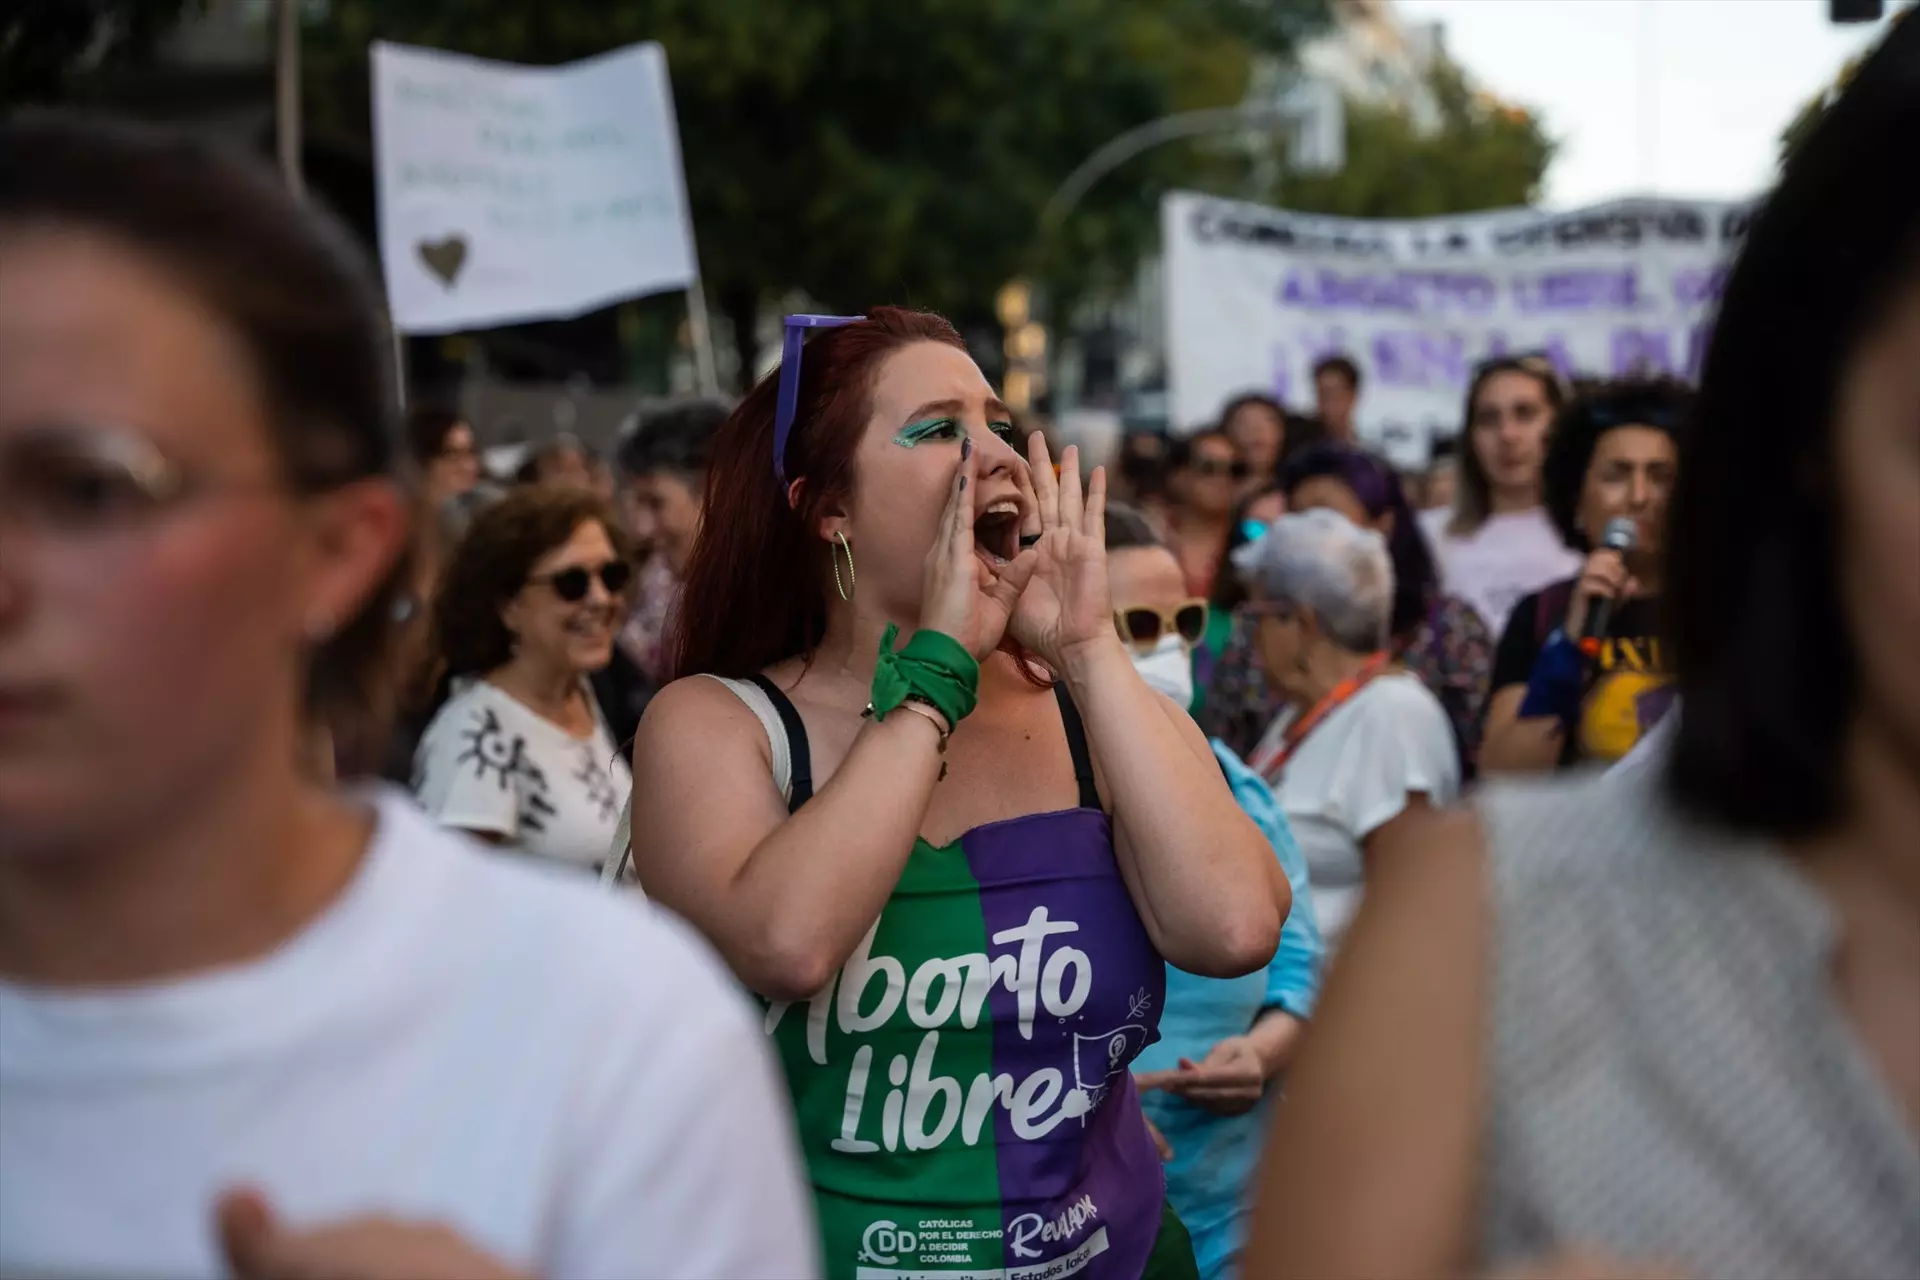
{"type": "Point", "coordinates": [520, 753]}
{"type": "Point", "coordinates": [956, 869]}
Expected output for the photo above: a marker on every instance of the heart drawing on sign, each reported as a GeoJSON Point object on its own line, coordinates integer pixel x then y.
{"type": "Point", "coordinates": [444, 257]}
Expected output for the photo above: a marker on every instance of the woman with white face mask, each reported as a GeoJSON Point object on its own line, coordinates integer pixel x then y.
{"type": "Point", "coordinates": [1204, 1085]}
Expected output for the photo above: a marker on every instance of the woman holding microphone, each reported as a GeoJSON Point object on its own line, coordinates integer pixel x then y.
{"type": "Point", "coordinates": [951, 867]}
{"type": "Point", "coordinates": [1560, 695]}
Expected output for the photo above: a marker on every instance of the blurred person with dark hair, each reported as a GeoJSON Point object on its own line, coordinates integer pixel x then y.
{"type": "Point", "coordinates": [1203, 477]}
{"type": "Point", "coordinates": [665, 461]}
{"type": "Point", "coordinates": [665, 464]}
{"type": "Point", "coordinates": [1361, 744]}
{"type": "Point", "coordinates": [1143, 474]}
{"type": "Point", "coordinates": [1498, 542]}
{"type": "Point", "coordinates": [442, 445]}
{"type": "Point", "coordinates": [251, 1024]}
{"type": "Point", "coordinates": [794, 809]}
{"type": "Point", "coordinates": [1231, 699]}
{"type": "Point", "coordinates": [1336, 392]}
{"type": "Point", "coordinates": [1614, 455]}
{"type": "Point", "coordinates": [562, 460]}
{"type": "Point", "coordinates": [1665, 1018]}
{"type": "Point", "coordinates": [1223, 1041]}
{"type": "Point", "coordinates": [1439, 483]}
{"type": "Point", "coordinates": [521, 753]}
{"type": "Point", "coordinates": [1256, 425]}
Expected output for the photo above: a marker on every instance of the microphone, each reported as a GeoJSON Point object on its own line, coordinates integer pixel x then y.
{"type": "Point", "coordinates": [1620, 536]}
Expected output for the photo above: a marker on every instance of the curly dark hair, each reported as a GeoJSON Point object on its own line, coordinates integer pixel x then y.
{"type": "Point", "coordinates": [1661, 403]}
{"type": "Point", "coordinates": [491, 565]}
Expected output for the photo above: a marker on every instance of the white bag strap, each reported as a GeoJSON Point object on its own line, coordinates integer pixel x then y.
{"type": "Point", "coordinates": [620, 857]}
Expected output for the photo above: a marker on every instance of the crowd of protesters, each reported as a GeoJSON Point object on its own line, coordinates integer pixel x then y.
{"type": "Point", "coordinates": [972, 847]}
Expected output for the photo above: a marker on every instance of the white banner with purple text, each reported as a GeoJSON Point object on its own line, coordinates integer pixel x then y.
{"type": "Point", "coordinates": [1255, 296]}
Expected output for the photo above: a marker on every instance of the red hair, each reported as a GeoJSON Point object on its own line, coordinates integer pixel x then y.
{"type": "Point", "coordinates": [757, 580]}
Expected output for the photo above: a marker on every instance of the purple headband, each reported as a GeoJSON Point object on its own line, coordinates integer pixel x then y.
{"type": "Point", "coordinates": [796, 333]}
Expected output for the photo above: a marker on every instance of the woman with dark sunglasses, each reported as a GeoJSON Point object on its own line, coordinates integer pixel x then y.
{"type": "Point", "coordinates": [1204, 477]}
{"type": "Point", "coordinates": [520, 753]}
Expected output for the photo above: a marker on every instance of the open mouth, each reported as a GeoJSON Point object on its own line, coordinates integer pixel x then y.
{"type": "Point", "coordinates": [996, 530]}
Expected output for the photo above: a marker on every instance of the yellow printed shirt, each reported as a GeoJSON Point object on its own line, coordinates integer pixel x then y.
{"type": "Point", "coordinates": [1629, 684]}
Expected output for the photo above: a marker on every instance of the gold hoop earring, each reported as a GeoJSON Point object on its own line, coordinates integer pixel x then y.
{"type": "Point", "coordinates": [852, 583]}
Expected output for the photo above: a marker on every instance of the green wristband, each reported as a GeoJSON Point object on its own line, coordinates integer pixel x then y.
{"type": "Point", "coordinates": [932, 666]}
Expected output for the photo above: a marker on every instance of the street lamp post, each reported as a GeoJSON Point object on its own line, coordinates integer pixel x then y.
{"type": "Point", "coordinates": [1311, 109]}
{"type": "Point", "coordinates": [286, 92]}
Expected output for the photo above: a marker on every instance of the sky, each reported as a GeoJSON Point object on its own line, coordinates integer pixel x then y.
{"type": "Point", "coordinates": [1680, 98]}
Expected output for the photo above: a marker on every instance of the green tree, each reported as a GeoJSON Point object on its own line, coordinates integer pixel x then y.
{"type": "Point", "coordinates": [47, 47]}
{"type": "Point", "coordinates": [872, 150]}
{"type": "Point", "coordinates": [1485, 154]}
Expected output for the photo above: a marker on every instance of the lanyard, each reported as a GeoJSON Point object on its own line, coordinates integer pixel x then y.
{"type": "Point", "coordinates": [1271, 762]}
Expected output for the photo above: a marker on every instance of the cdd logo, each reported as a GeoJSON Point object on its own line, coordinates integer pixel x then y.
{"type": "Point", "coordinates": [884, 1243]}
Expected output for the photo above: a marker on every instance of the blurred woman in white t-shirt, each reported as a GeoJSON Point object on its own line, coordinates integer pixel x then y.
{"type": "Point", "coordinates": [249, 1024]}
{"type": "Point", "coordinates": [1497, 543]}
{"type": "Point", "coordinates": [520, 754]}
{"type": "Point", "coordinates": [1361, 742]}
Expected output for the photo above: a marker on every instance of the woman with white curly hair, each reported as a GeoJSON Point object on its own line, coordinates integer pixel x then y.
{"type": "Point", "coordinates": [1360, 742]}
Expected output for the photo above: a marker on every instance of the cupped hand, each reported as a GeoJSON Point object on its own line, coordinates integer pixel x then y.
{"type": "Point", "coordinates": [1068, 606]}
{"type": "Point", "coordinates": [1229, 1081]}
{"type": "Point", "coordinates": [960, 595]}
{"type": "Point", "coordinates": [259, 1247]}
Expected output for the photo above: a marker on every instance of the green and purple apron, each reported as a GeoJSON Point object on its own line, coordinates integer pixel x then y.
{"type": "Point", "coordinates": [962, 1085]}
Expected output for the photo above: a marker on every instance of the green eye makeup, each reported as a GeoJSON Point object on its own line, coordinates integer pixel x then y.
{"type": "Point", "coordinates": [943, 429]}
{"type": "Point", "coordinates": [927, 429]}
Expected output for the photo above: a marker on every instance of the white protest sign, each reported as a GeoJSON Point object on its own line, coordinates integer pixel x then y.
{"type": "Point", "coordinates": [1256, 295]}
{"type": "Point", "coordinates": [513, 193]}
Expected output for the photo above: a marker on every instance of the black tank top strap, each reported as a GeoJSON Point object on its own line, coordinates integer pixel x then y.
{"type": "Point", "coordinates": [1077, 744]}
{"type": "Point", "coordinates": [799, 756]}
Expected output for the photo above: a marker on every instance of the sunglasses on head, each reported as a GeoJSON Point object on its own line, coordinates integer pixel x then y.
{"type": "Point", "coordinates": [787, 403]}
{"type": "Point", "coordinates": [573, 584]}
{"type": "Point", "coordinates": [1142, 627]}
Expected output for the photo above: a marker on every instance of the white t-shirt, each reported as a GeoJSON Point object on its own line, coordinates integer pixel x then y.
{"type": "Point", "coordinates": [489, 763]}
{"type": "Point", "coordinates": [1508, 557]}
{"type": "Point", "coordinates": [567, 1078]}
{"type": "Point", "coordinates": [1351, 775]}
